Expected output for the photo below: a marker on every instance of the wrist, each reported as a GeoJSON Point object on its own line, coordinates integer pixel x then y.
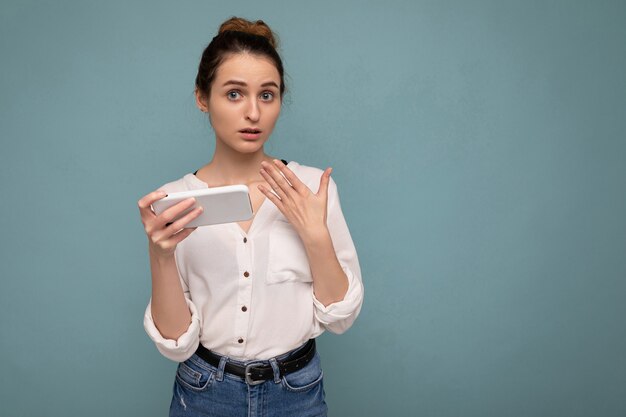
{"type": "Point", "coordinates": [312, 236]}
{"type": "Point", "coordinates": [160, 257]}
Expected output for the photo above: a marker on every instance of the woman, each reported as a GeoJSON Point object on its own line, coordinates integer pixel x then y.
{"type": "Point", "coordinates": [239, 305]}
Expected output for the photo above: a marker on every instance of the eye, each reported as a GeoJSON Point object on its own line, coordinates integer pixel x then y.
{"type": "Point", "coordinates": [233, 95]}
{"type": "Point", "coordinates": [267, 96]}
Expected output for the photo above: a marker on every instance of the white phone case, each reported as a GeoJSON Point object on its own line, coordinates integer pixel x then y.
{"type": "Point", "coordinates": [230, 203]}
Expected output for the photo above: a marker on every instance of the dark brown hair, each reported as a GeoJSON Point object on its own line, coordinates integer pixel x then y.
{"type": "Point", "coordinates": [237, 35]}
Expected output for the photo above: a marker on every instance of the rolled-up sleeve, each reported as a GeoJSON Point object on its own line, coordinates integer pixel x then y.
{"type": "Point", "coordinates": [339, 316]}
{"type": "Point", "coordinates": [178, 350]}
{"type": "Point", "coordinates": [183, 348]}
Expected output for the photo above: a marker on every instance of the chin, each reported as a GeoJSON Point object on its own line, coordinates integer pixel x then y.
{"type": "Point", "coordinates": [245, 147]}
{"type": "Point", "coordinates": [249, 148]}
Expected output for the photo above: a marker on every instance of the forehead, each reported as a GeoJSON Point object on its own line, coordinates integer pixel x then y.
{"type": "Point", "coordinates": [253, 69]}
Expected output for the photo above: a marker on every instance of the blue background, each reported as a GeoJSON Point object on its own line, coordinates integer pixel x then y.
{"type": "Point", "coordinates": [478, 146]}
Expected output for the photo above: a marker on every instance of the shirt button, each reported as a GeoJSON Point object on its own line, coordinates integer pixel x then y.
{"type": "Point", "coordinates": [246, 274]}
{"type": "Point", "coordinates": [245, 239]}
{"type": "Point", "coordinates": [244, 308]}
{"type": "Point", "coordinates": [240, 340]}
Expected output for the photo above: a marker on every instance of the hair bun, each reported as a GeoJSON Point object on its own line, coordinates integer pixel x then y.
{"type": "Point", "coordinates": [259, 28]}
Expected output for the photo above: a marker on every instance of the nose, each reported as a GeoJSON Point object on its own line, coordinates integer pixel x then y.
{"type": "Point", "coordinates": [253, 112]}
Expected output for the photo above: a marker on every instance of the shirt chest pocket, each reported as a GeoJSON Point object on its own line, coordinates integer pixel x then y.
{"type": "Point", "coordinates": [287, 261]}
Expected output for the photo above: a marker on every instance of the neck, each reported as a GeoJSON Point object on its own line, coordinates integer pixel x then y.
{"type": "Point", "coordinates": [228, 167]}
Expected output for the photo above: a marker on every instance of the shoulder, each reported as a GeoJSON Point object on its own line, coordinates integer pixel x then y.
{"type": "Point", "coordinates": [306, 174]}
{"type": "Point", "coordinates": [186, 183]}
{"type": "Point", "coordinates": [311, 176]}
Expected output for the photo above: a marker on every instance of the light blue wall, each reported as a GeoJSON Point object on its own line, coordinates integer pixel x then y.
{"type": "Point", "coordinates": [479, 147]}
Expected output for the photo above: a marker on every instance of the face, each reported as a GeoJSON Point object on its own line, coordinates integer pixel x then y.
{"type": "Point", "coordinates": [245, 96]}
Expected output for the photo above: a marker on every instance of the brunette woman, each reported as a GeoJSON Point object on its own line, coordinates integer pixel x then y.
{"type": "Point", "coordinates": [239, 305]}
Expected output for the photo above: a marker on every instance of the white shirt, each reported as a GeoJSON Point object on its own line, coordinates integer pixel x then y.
{"type": "Point", "coordinates": [251, 294]}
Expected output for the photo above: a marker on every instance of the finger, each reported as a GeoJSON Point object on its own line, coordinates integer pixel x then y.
{"type": "Point", "coordinates": [272, 197]}
{"type": "Point", "coordinates": [182, 222]}
{"type": "Point", "coordinates": [278, 177]}
{"type": "Point", "coordinates": [171, 213]}
{"type": "Point", "coordinates": [146, 201]}
{"type": "Point", "coordinates": [176, 238]}
{"type": "Point", "coordinates": [272, 182]}
{"type": "Point", "coordinates": [171, 228]}
{"type": "Point", "coordinates": [324, 181]}
{"type": "Point", "coordinates": [180, 236]}
{"type": "Point", "coordinates": [293, 179]}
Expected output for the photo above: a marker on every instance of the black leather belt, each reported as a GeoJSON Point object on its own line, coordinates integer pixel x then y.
{"type": "Point", "coordinates": [259, 372]}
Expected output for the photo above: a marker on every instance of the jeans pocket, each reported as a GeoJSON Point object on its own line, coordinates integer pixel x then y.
{"type": "Point", "coordinates": [192, 375]}
{"type": "Point", "coordinates": [305, 378]}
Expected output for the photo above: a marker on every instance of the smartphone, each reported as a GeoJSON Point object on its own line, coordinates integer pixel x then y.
{"type": "Point", "coordinates": [230, 203]}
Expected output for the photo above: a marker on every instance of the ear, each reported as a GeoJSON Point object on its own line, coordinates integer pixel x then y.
{"type": "Point", "coordinates": [201, 102]}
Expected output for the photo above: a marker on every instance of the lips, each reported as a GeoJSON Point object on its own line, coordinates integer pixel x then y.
{"type": "Point", "coordinates": [250, 133]}
{"type": "Point", "coordinates": [252, 130]}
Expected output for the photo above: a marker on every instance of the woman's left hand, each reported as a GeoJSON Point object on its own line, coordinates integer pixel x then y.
{"type": "Point", "coordinates": [305, 210]}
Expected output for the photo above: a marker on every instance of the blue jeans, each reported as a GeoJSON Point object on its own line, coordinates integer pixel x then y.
{"type": "Point", "coordinates": [201, 389]}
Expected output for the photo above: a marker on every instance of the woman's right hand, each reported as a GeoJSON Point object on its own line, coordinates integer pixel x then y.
{"type": "Point", "coordinates": [163, 234]}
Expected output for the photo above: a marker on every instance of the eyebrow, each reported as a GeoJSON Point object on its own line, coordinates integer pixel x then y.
{"type": "Point", "coordinates": [265, 84]}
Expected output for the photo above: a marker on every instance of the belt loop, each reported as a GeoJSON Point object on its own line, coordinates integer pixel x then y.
{"type": "Point", "coordinates": [276, 370]}
{"type": "Point", "coordinates": [220, 369]}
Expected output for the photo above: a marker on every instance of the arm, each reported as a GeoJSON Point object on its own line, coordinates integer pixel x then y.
{"type": "Point", "coordinates": [169, 308]}
{"type": "Point", "coordinates": [171, 320]}
{"type": "Point", "coordinates": [339, 315]}
{"type": "Point", "coordinates": [318, 219]}
{"type": "Point", "coordinates": [330, 283]}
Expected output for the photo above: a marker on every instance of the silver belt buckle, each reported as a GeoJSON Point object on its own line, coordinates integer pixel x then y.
{"type": "Point", "coordinates": [249, 380]}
